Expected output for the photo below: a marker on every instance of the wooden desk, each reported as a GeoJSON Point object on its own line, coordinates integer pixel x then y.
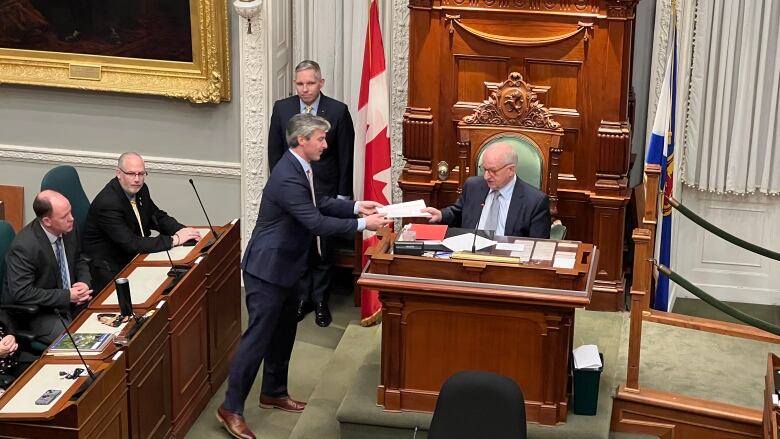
{"type": "Point", "coordinates": [2, 210]}
{"type": "Point", "coordinates": [100, 412]}
{"type": "Point", "coordinates": [771, 419]}
{"type": "Point", "coordinates": [441, 316]}
{"type": "Point", "coordinates": [204, 322]}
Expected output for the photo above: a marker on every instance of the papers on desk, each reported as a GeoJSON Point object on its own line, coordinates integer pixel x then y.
{"type": "Point", "coordinates": [48, 377]}
{"type": "Point", "coordinates": [177, 253]}
{"type": "Point", "coordinates": [564, 259]}
{"type": "Point", "coordinates": [144, 281]}
{"type": "Point", "coordinates": [463, 242]}
{"type": "Point", "coordinates": [409, 209]}
{"type": "Point", "coordinates": [587, 357]}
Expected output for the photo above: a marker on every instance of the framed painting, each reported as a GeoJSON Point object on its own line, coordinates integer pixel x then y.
{"type": "Point", "coordinates": [175, 48]}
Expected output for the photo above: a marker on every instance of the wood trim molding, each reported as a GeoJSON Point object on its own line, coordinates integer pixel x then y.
{"type": "Point", "coordinates": [713, 326]}
{"type": "Point", "coordinates": [454, 20]}
{"type": "Point", "coordinates": [105, 160]}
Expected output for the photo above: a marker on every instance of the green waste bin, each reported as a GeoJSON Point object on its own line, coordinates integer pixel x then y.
{"type": "Point", "coordinates": [586, 389]}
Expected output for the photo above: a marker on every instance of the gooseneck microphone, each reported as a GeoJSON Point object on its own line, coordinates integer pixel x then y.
{"type": "Point", "coordinates": [474, 242]}
{"type": "Point", "coordinates": [214, 232]}
{"type": "Point", "coordinates": [67, 331]}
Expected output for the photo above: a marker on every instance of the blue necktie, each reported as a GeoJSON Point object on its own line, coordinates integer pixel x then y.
{"type": "Point", "coordinates": [64, 276]}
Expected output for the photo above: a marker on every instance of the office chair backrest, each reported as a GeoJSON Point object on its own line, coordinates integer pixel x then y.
{"type": "Point", "coordinates": [65, 180]}
{"type": "Point", "coordinates": [474, 404]}
{"type": "Point", "coordinates": [7, 235]}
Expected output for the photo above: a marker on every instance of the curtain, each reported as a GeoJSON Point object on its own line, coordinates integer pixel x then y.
{"type": "Point", "coordinates": [333, 32]}
{"type": "Point", "coordinates": [731, 115]}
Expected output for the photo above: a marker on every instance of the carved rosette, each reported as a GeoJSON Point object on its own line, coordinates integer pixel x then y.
{"type": "Point", "coordinates": [514, 103]}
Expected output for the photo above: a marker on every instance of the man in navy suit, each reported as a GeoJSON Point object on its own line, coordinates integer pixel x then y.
{"type": "Point", "coordinates": [333, 172]}
{"type": "Point", "coordinates": [498, 201]}
{"type": "Point", "coordinates": [291, 221]}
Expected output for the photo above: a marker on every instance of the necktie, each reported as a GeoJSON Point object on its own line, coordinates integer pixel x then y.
{"type": "Point", "coordinates": [491, 221]}
{"type": "Point", "coordinates": [310, 177]}
{"type": "Point", "coordinates": [137, 216]}
{"type": "Point", "coordinates": [62, 262]}
{"type": "Point", "coordinates": [308, 109]}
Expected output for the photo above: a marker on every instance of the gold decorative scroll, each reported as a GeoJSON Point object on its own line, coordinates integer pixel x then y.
{"type": "Point", "coordinates": [516, 41]}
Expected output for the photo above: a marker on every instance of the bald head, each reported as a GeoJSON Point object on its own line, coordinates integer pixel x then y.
{"type": "Point", "coordinates": [53, 211]}
{"type": "Point", "coordinates": [499, 162]}
{"type": "Point", "coordinates": [131, 172]}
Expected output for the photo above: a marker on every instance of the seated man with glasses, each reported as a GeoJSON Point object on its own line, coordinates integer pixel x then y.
{"type": "Point", "coordinates": [120, 221]}
{"type": "Point", "coordinates": [499, 200]}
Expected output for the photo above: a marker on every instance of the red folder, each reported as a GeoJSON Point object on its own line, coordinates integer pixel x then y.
{"type": "Point", "coordinates": [429, 232]}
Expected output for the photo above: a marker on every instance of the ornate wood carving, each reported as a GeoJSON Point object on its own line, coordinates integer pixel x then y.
{"type": "Point", "coordinates": [615, 143]}
{"type": "Point", "coordinates": [418, 138]}
{"type": "Point", "coordinates": [454, 20]}
{"type": "Point", "coordinates": [514, 103]}
{"type": "Point", "coordinates": [578, 6]}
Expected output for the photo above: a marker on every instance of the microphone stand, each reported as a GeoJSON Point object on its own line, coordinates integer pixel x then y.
{"type": "Point", "coordinates": [474, 242]}
{"type": "Point", "coordinates": [214, 232]}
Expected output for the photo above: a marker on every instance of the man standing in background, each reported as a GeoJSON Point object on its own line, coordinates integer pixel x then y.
{"type": "Point", "coordinates": [332, 173]}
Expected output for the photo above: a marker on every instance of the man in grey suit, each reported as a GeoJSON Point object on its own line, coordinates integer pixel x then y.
{"type": "Point", "coordinates": [44, 267]}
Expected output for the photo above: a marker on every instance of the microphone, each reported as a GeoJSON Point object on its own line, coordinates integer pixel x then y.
{"type": "Point", "coordinates": [214, 232]}
{"type": "Point", "coordinates": [474, 242]}
{"type": "Point", "coordinates": [176, 270]}
{"type": "Point", "coordinates": [67, 331]}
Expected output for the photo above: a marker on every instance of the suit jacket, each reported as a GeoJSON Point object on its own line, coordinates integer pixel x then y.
{"type": "Point", "coordinates": [288, 222]}
{"type": "Point", "coordinates": [33, 276]}
{"type": "Point", "coordinates": [112, 236]}
{"type": "Point", "coordinates": [333, 172]}
{"type": "Point", "coordinates": [529, 209]}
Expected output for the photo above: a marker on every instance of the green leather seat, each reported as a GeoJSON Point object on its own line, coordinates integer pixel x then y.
{"type": "Point", "coordinates": [530, 162]}
{"type": "Point", "coordinates": [65, 180]}
{"type": "Point", "coordinates": [7, 235]}
{"type": "Point", "coordinates": [530, 165]}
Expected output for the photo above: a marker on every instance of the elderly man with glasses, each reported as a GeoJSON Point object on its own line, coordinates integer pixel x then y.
{"type": "Point", "coordinates": [498, 201]}
{"type": "Point", "coordinates": [120, 221]}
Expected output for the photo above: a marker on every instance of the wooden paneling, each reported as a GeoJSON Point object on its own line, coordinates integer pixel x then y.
{"type": "Point", "coordinates": [577, 57]}
{"type": "Point", "coordinates": [13, 205]}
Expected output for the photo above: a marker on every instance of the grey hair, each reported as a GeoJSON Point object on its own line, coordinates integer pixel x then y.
{"type": "Point", "coordinates": [308, 64]}
{"type": "Point", "coordinates": [125, 155]}
{"type": "Point", "coordinates": [510, 155]}
{"type": "Point", "coordinates": [304, 124]}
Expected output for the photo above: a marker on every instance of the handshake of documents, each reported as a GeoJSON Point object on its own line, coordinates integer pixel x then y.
{"type": "Point", "coordinates": [409, 209]}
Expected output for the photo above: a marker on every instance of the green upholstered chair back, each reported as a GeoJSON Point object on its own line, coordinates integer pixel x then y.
{"type": "Point", "coordinates": [65, 180]}
{"type": "Point", "coordinates": [7, 235]}
{"type": "Point", "coordinates": [557, 231]}
{"type": "Point", "coordinates": [530, 163]}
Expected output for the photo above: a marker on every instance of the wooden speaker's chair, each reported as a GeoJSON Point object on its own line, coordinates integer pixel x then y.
{"type": "Point", "coordinates": [513, 114]}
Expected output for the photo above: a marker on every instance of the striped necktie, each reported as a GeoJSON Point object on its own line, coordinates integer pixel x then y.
{"type": "Point", "coordinates": [63, 265]}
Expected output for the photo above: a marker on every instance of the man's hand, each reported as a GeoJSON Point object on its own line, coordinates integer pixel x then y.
{"type": "Point", "coordinates": [375, 221]}
{"type": "Point", "coordinates": [368, 207]}
{"type": "Point", "coordinates": [184, 235]}
{"type": "Point", "coordinates": [435, 214]}
{"type": "Point", "coordinates": [80, 293]}
{"type": "Point", "coordinates": [8, 346]}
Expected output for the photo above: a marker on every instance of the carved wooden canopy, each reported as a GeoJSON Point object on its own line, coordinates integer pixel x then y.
{"type": "Point", "coordinates": [513, 104]}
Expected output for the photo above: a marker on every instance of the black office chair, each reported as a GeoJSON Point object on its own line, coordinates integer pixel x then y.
{"type": "Point", "coordinates": [474, 404]}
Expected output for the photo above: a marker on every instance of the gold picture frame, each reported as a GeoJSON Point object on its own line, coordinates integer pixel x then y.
{"type": "Point", "coordinates": [203, 76]}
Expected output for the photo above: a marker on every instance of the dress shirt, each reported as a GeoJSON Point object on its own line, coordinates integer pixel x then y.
{"type": "Point", "coordinates": [314, 105]}
{"type": "Point", "coordinates": [361, 222]}
{"type": "Point", "coordinates": [503, 206]}
{"type": "Point", "coordinates": [53, 241]}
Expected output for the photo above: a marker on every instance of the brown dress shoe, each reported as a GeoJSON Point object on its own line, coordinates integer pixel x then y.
{"type": "Point", "coordinates": [282, 403]}
{"type": "Point", "coordinates": [234, 424]}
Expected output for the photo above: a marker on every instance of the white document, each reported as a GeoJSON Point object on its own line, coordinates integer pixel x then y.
{"type": "Point", "coordinates": [463, 242]}
{"type": "Point", "coordinates": [408, 209]}
{"type": "Point", "coordinates": [510, 247]}
{"type": "Point", "coordinates": [177, 253]}
{"type": "Point", "coordinates": [586, 357]}
{"type": "Point", "coordinates": [543, 251]}
{"type": "Point", "coordinates": [564, 259]}
{"type": "Point", "coordinates": [144, 281]}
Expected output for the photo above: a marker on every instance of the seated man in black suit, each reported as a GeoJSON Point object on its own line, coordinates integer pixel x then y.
{"type": "Point", "coordinates": [291, 220]}
{"type": "Point", "coordinates": [120, 221]}
{"type": "Point", "coordinates": [498, 201]}
{"type": "Point", "coordinates": [44, 267]}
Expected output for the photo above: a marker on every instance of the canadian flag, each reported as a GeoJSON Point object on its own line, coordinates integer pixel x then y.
{"type": "Point", "coordinates": [372, 144]}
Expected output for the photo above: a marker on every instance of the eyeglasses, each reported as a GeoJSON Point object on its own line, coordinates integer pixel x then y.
{"type": "Point", "coordinates": [134, 174]}
{"type": "Point", "coordinates": [493, 171]}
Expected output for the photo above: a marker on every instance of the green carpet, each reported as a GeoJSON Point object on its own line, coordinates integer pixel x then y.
{"type": "Point", "coordinates": [698, 308]}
